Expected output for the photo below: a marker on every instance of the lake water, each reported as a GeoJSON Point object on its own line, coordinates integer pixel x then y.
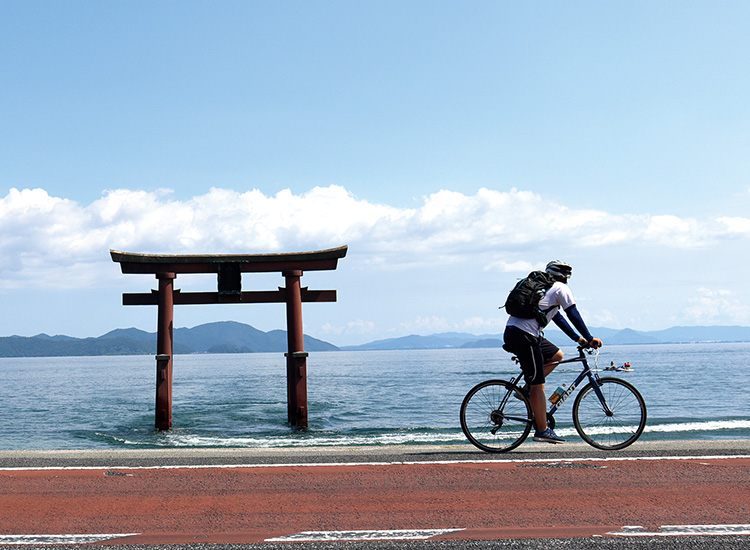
{"type": "Point", "coordinates": [693, 391]}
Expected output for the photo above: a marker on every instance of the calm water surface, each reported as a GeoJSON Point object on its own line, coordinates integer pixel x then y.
{"type": "Point", "coordinates": [693, 391]}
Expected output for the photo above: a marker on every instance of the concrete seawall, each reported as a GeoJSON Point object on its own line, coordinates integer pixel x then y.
{"type": "Point", "coordinates": [358, 454]}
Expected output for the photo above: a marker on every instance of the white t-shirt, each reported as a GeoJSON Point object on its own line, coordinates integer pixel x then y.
{"type": "Point", "coordinates": [558, 296]}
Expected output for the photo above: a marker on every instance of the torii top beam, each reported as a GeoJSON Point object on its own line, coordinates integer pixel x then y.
{"type": "Point", "coordinates": [229, 267]}
{"type": "Point", "coordinates": [318, 260]}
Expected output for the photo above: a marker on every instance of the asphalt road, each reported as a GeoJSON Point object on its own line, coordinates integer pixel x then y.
{"type": "Point", "coordinates": [238, 498]}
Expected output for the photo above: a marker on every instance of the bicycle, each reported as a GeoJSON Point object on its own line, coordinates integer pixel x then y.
{"type": "Point", "coordinates": [608, 413]}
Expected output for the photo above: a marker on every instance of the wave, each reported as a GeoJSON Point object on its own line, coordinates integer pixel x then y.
{"type": "Point", "coordinates": [185, 438]}
{"type": "Point", "coordinates": [703, 428]}
{"type": "Point", "coordinates": [737, 428]}
{"type": "Point", "coordinates": [707, 426]}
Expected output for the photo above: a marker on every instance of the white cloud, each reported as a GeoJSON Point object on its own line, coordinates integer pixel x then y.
{"type": "Point", "coordinates": [479, 325]}
{"type": "Point", "coordinates": [501, 266]}
{"type": "Point", "coordinates": [672, 230]}
{"type": "Point", "coordinates": [423, 325]}
{"type": "Point", "coordinates": [57, 242]}
{"type": "Point", "coordinates": [736, 226]}
{"type": "Point", "coordinates": [358, 327]}
{"type": "Point", "coordinates": [709, 305]}
{"type": "Point", "coordinates": [432, 324]}
{"type": "Point", "coordinates": [602, 318]}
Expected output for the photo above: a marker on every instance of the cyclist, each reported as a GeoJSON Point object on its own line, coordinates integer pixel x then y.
{"type": "Point", "coordinates": [524, 338]}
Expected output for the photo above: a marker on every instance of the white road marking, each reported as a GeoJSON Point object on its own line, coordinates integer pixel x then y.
{"type": "Point", "coordinates": [684, 530]}
{"type": "Point", "coordinates": [393, 534]}
{"type": "Point", "coordinates": [394, 463]}
{"type": "Point", "coordinates": [59, 539]}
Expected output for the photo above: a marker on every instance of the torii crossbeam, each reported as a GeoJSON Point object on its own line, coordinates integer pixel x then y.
{"type": "Point", "coordinates": [229, 269]}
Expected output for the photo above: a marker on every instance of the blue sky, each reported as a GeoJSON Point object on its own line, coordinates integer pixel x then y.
{"type": "Point", "coordinates": [452, 146]}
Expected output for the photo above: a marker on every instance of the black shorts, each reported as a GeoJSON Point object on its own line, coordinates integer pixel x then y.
{"type": "Point", "coordinates": [533, 352]}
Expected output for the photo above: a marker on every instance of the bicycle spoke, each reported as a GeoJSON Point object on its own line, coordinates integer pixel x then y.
{"type": "Point", "coordinates": [618, 429]}
{"type": "Point", "coordinates": [490, 424]}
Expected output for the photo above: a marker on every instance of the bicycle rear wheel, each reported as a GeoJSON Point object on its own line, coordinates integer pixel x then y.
{"type": "Point", "coordinates": [612, 431]}
{"type": "Point", "coordinates": [493, 419]}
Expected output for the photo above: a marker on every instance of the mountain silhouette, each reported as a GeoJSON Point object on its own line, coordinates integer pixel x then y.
{"type": "Point", "coordinates": [219, 337]}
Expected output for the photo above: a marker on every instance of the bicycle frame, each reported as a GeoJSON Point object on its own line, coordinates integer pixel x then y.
{"type": "Point", "coordinates": [585, 374]}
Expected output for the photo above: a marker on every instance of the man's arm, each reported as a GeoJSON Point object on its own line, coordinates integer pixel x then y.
{"type": "Point", "coordinates": [560, 321]}
{"type": "Point", "coordinates": [577, 320]}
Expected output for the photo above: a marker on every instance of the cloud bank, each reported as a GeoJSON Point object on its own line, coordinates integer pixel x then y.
{"type": "Point", "coordinates": [54, 241]}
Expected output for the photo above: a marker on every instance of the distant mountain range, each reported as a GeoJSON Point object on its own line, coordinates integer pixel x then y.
{"type": "Point", "coordinates": [222, 337]}
{"type": "Point", "coordinates": [233, 337]}
{"type": "Point", "coordinates": [674, 335]}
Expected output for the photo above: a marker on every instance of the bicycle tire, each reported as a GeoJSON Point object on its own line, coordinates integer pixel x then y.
{"type": "Point", "coordinates": [614, 432]}
{"type": "Point", "coordinates": [489, 428]}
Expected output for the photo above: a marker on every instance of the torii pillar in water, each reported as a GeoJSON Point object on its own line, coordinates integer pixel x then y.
{"type": "Point", "coordinates": [229, 269]}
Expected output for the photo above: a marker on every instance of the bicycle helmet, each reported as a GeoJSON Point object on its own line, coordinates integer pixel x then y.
{"type": "Point", "coordinates": [559, 270]}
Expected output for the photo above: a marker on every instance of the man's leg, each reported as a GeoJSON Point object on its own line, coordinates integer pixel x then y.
{"type": "Point", "coordinates": [551, 357]}
{"type": "Point", "coordinates": [539, 406]}
{"type": "Point", "coordinates": [550, 366]}
{"type": "Point", "coordinates": [537, 395]}
{"type": "Point", "coordinates": [531, 355]}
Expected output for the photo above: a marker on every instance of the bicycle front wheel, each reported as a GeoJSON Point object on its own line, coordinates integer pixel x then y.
{"type": "Point", "coordinates": [613, 429]}
{"type": "Point", "coordinates": [493, 418]}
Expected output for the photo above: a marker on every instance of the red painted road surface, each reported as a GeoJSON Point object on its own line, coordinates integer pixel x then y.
{"type": "Point", "coordinates": [488, 500]}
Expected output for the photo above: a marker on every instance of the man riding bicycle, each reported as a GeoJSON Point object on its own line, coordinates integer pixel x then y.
{"type": "Point", "coordinates": [524, 338]}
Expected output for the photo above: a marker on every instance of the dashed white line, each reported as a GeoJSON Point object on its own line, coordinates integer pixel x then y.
{"type": "Point", "coordinates": [60, 539]}
{"type": "Point", "coordinates": [684, 530]}
{"type": "Point", "coordinates": [338, 536]}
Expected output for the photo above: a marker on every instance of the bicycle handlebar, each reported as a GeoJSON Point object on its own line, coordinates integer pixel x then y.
{"type": "Point", "coordinates": [588, 349]}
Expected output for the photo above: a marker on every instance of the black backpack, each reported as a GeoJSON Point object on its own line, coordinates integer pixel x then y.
{"type": "Point", "coordinates": [523, 300]}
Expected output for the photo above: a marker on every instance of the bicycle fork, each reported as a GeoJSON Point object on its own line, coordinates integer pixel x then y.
{"type": "Point", "coordinates": [598, 391]}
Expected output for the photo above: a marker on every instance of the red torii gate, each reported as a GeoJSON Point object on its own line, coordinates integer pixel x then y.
{"type": "Point", "coordinates": [229, 269]}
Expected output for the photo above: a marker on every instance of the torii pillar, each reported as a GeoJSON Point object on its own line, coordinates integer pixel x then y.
{"type": "Point", "coordinates": [164, 350]}
{"type": "Point", "coordinates": [296, 357]}
{"type": "Point", "coordinates": [229, 269]}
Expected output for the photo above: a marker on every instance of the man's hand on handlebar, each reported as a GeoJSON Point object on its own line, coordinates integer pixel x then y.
{"type": "Point", "coordinates": [594, 343]}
